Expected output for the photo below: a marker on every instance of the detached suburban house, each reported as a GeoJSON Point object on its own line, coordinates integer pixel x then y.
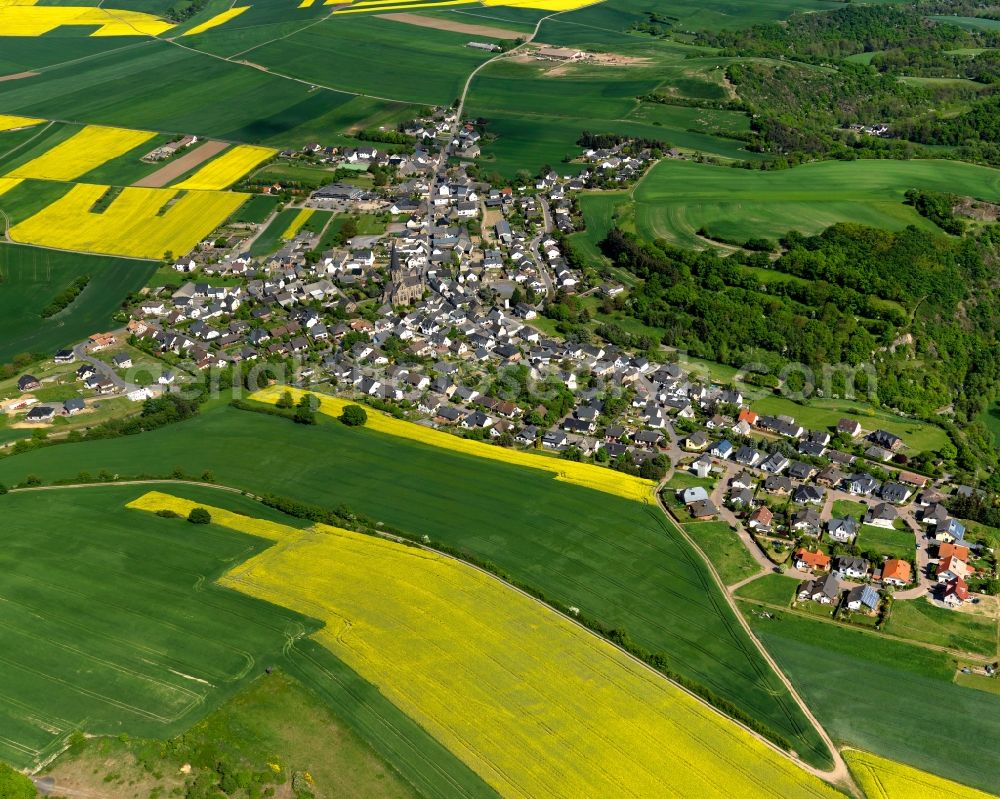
{"type": "Point", "coordinates": [896, 572]}
{"type": "Point", "coordinates": [812, 561]}
{"type": "Point", "coordinates": [864, 598]}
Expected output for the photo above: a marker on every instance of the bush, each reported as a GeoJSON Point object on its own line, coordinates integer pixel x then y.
{"type": "Point", "coordinates": [354, 416]}
{"type": "Point", "coordinates": [14, 785]}
{"type": "Point", "coordinates": [166, 513]}
{"type": "Point", "coordinates": [199, 516]}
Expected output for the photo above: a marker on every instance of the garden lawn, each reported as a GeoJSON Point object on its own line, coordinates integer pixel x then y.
{"type": "Point", "coordinates": [725, 549]}
{"type": "Point", "coordinates": [846, 507]}
{"type": "Point", "coordinates": [891, 543]}
{"type": "Point", "coordinates": [774, 589]}
{"type": "Point", "coordinates": [620, 562]}
{"type": "Point", "coordinates": [919, 620]}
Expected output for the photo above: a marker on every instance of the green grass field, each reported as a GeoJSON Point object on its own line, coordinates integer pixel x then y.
{"type": "Point", "coordinates": [275, 720]}
{"type": "Point", "coordinates": [892, 543]}
{"type": "Point", "coordinates": [618, 561]}
{"type": "Point", "coordinates": [113, 624]}
{"type": "Point", "coordinates": [32, 277]}
{"type": "Point", "coordinates": [775, 589]}
{"type": "Point", "coordinates": [919, 620]}
{"type": "Point", "coordinates": [678, 198]}
{"type": "Point", "coordinates": [725, 549]}
{"type": "Point", "coordinates": [991, 418]}
{"type": "Point", "coordinates": [891, 698]}
{"type": "Point", "coordinates": [818, 412]}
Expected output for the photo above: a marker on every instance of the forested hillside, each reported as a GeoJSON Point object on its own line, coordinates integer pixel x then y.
{"type": "Point", "coordinates": [853, 293]}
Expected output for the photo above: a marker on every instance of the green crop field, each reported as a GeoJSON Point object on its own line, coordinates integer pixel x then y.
{"type": "Point", "coordinates": [349, 53]}
{"type": "Point", "coordinates": [676, 199]}
{"type": "Point", "coordinates": [33, 277]}
{"type": "Point", "coordinates": [206, 96]}
{"type": "Point", "coordinates": [725, 549]}
{"type": "Point", "coordinates": [538, 117]}
{"type": "Point", "coordinates": [618, 561]}
{"type": "Point", "coordinates": [891, 543]}
{"type": "Point", "coordinates": [270, 240]}
{"type": "Point", "coordinates": [888, 697]}
{"type": "Point", "coordinates": [111, 621]}
{"type": "Point", "coordinates": [256, 210]}
{"type": "Point", "coordinates": [114, 625]}
{"type": "Point", "coordinates": [919, 620]}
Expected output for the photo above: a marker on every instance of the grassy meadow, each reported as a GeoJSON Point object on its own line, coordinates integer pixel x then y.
{"type": "Point", "coordinates": [888, 697]}
{"type": "Point", "coordinates": [33, 277]}
{"type": "Point", "coordinates": [725, 549]}
{"type": "Point", "coordinates": [274, 720]}
{"type": "Point", "coordinates": [920, 620]}
{"type": "Point", "coordinates": [676, 199]}
{"type": "Point", "coordinates": [619, 561]}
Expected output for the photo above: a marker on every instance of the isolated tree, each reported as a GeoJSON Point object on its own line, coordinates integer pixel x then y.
{"type": "Point", "coordinates": [286, 401]}
{"type": "Point", "coordinates": [354, 416]}
{"type": "Point", "coordinates": [199, 516]}
{"type": "Point", "coordinates": [305, 411]}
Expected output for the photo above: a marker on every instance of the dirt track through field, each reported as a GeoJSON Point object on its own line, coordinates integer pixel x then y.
{"type": "Point", "coordinates": [17, 76]}
{"type": "Point", "coordinates": [447, 25]}
{"type": "Point", "coordinates": [161, 177]}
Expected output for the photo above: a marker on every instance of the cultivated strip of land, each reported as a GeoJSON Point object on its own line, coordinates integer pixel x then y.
{"type": "Point", "coordinates": [187, 162]}
{"type": "Point", "coordinates": [447, 25]}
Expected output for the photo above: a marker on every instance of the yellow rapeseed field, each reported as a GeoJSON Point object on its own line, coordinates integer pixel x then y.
{"type": "Point", "coordinates": [156, 500]}
{"type": "Point", "coordinates": [296, 224]}
{"type": "Point", "coordinates": [27, 19]}
{"type": "Point", "coordinates": [8, 122]}
{"type": "Point", "coordinates": [226, 169]}
{"type": "Point", "coordinates": [132, 225]}
{"type": "Point", "coordinates": [81, 152]}
{"type": "Point", "coordinates": [535, 704]}
{"type": "Point", "coordinates": [218, 19]}
{"type": "Point", "coordinates": [544, 5]}
{"type": "Point", "coordinates": [885, 779]}
{"type": "Point", "coordinates": [588, 475]}
{"type": "Point", "coordinates": [380, 6]}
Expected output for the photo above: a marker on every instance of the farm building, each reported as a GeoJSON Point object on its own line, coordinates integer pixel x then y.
{"type": "Point", "coordinates": [561, 53]}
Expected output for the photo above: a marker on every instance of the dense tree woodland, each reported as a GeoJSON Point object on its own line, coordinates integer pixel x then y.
{"type": "Point", "coordinates": [862, 290]}
{"type": "Point", "coordinates": [804, 100]}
